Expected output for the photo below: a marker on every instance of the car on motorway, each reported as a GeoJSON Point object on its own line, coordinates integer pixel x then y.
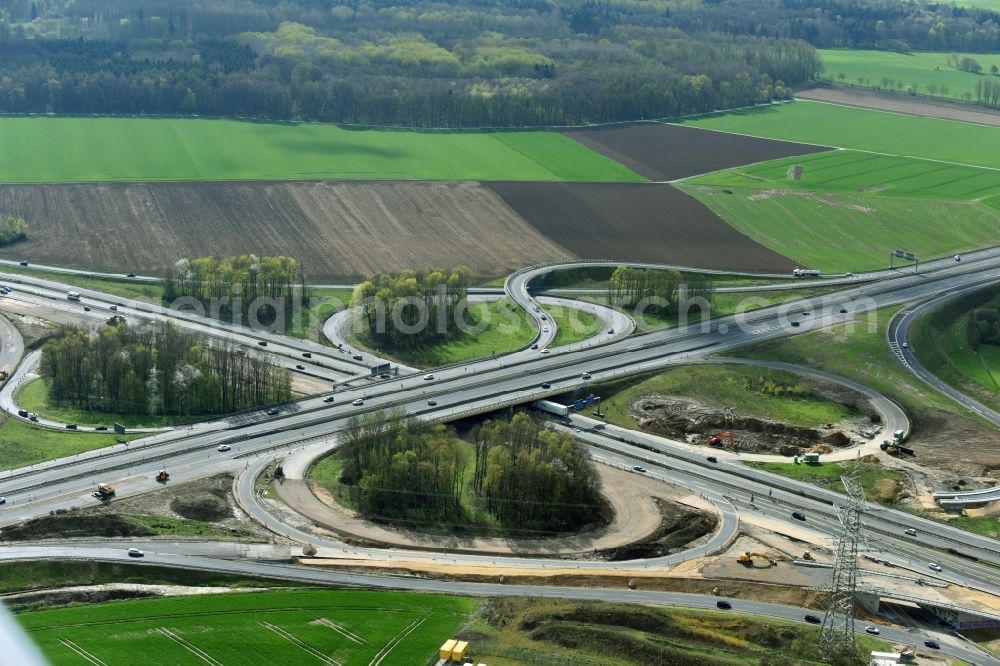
{"type": "Point", "coordinates": [712, 459]}
{"type": "Point", "coordinates": [813, 619]}
{"type": "Point", "coordinates": [534, 346]}
{"type": "Point", "coordinates": [33, 418]}
{"type": "Point", "coordinates": [805, 314]}
{"type": "Point", "coordinates": [585, 375]}
{"type": "Point", "coordinates": [272, 412]}
{"type": "Point", "coordinates": [23, 263]}
{"type": "Point", "coordinates": [262, 343]}
{"type": "Point", "coordinates": [299, 366]}
{"type": "Point", "coordinates": [724, 605]}
{"type": "Point", "coordinates": [135, 552]}
{"type": "Point", "coordinates": [71, 426]}
{"type": "Point", "coordinates": [933, 644]}
{"type": "Point", "coordinates": [798, 515]}
{"type": "Point", "coordinates": [307, 355]}
{"type": "Point", "coordinates": [130, 275]}
{"type": "Point", "coordinates": [328, 398]}
{"type": "Point", "coordinates": [224, 447]}
{"type": "Point", "coordinates": [358, 357]}
{"type": "Point", "coordinates": [102, 428]}
{"type": "Point", "coordinates": [958, 257]}
{"type": "Point", "coordinates": [22, 413]}
{"type": "Point", "coordinates": [536, 309]}
{"type": "Point", "coordinates": [384, 375]}
{"type": "Point", "coordinates": [544, 351]}
{"type": "Point", "coordinates": [546, 385]}
{"type": "Point", "coordinates": [906, 345]}
{"type": "Point", "coordinates": [545, 329]}
{"type": "Point", "coordinates": [432, 403]}
{"type": "Point", "coordinates": [428, 378]}
{"type": "Point", "coordinates": [911, 532]}
{"type": "Point", "coordinates": [544, 318]}
{"type": "Point", "coordinates": [611, 331]}
{"type": "Point", "coordinates": [3, 500]}
{"type": "Point", "coordinates": [86, 308]}
{"type": "Point", "coordinates": [113, 307]}
{"type": "Point", "coordinates": [358, 402]}
{"type": "Point", "coordinates": [871, 629]}
{"type": "Point", "coordinates": [795, 323]}
{"type": "Point", "coordinates": [843, 310]}
{"type": "Point", "coordinates": [640, 469]}
{"type": "Point", "coordinates": [934, 566]}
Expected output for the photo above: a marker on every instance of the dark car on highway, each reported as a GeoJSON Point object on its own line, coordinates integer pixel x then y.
{"type": "Point", "coordinates": [932, 644]}
{"type": "Point", "coordinates": [724, 605]}
{"type": "Point", "coordinates": [798, 515]}
{"type": "Point", "coordinates": [813, 619]}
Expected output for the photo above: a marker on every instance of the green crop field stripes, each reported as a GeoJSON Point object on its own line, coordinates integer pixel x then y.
{"type": "Point", "coordinates": [863, 172]}
{"type": "Point", "coordinates": [332, 627]}
{"type": "Point", "coordinates": [42, 149]}
{"type": "Point", "coordinates": [861, 129]}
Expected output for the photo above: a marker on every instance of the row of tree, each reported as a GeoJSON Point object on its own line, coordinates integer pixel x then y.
{"type": "Point", "coordinates": [660, 291]}
{"type": "Point", "coordinates": [234, 285]}
{"type": "Point", "coordinates": [12, 229]}
{"type": "Point", "coordinates": [525, 477]}
{"type": "Point", "coordinates": [161, 371]}
{"type": "Point", "coordinates": [411, 309]}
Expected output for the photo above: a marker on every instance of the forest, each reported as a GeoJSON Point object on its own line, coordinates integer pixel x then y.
{"type": "Point", "coordinates": [411, 309]}
{"type": "Point", "coordinates": [445, 63]}
{"type": "Point", "coordinates": [120, 370]}
{"type": "Point", "coordinates": [660, 291]}
{"type": "Point", "coordinates": [422, 64]}
{"type": "Point", "coordinates": [524, 477]}
{"type": "Point", "coordinates": [245, 289]}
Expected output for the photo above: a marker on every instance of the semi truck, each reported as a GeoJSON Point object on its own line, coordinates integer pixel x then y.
{"type": "Point", "coordinates": [805, 272]}
{"type": "Point", "coordinates": [551, 407]}
{"type": "Point", "coordinates": [73, 295]}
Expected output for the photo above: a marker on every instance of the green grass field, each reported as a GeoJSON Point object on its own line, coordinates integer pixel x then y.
{"type": "Point", "coordinates": [34, 397]}
{"type": "Point", "coordinates": [878, 482]}
{"type": "Point", "coordinates": [45, 149]}
{"type": "Point", "coordinates": [573, 325]}
{"type": "Point", "coordinates": [505, 327]}
{"type": "Point", "coordinates": [919, 69]}
{"type": "Point", "coordinates": [848, 231]}
{"type": "Point", "coordinates": [941, 345]}
{"type": "Point", "coordinates": [22, 444]}
{"type": "Point", "coordinates": [861, 129]}
{"type": "Point", "coordinates": [724, 386]}
{"type": "Point", "coordinates": [858, 351]}
{"type": "Point", "coordinates": [349, 627]}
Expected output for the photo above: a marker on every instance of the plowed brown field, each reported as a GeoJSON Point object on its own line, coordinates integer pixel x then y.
{"type": "Point", "coordinates": [661, 152]}
{"type": "Point", "coordinates": [338, 230]}
{"type": "Point", "coordinates": [646, 222]}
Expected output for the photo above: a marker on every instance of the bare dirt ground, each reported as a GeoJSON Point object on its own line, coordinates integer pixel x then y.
{"type": "Point", "coordinates": [636, 222]}
{"type": "Point", "coordinates": [903, 103]}
{"type": "Point", "coordinates": [660, 151]}
{"type": "Point", "coordinates": [637, 518]}
{"type": "Point", "coordinates": [208, 500]}
{"type": "Point", "coordinates": [338, 230]}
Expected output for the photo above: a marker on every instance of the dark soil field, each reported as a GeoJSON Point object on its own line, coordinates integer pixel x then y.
{"type": "Point", "coordinates": [661, 152]}
{"type": "Point", "coordinates": [636, 222]}
{"type": "Point", "coordinates": [338, 230]}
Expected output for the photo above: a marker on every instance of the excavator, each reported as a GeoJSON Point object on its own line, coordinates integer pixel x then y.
{"type": "Point", "coordinates": [716, 440]}
{"type": "Point", "coordinates": [747, 558]}
{"type": "Point", "coordinates": [104, 492]}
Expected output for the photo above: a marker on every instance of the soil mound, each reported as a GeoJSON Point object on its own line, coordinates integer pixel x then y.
{"type": "Point", "coordinates": [202, 506]}
{"type": "Point", "coordinates": [684, 419]}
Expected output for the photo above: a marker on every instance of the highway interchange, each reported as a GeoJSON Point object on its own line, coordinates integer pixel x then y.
{"type": "Point", "coordinates": [311, 425]}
